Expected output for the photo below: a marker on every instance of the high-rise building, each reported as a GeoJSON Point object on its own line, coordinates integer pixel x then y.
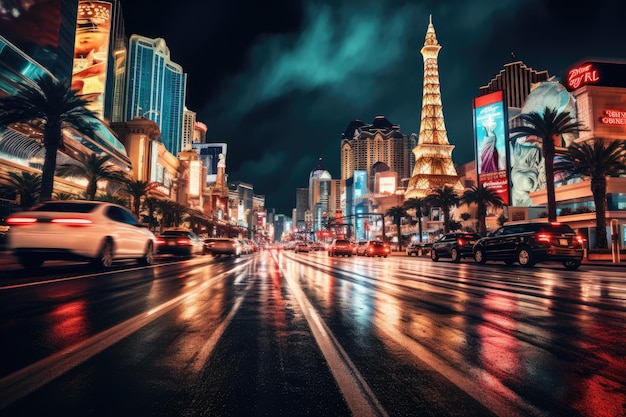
{"type": "Point", "coordinates": [319, 194]}
{"type": "Point", "coordinates": [302, 205]}
{"type": "Point", "coordinates": [376, 147]}
{"type": "Point", "coordinates": [433, 154]}
{"type": "Point", "coordinates": [516, 81]}
{"type": "Point", "coordinates": [189, 126]}
{"type": "Point", "coordinates": [156, 89]}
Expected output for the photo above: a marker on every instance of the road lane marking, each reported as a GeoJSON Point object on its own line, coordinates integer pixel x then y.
{"type": "Point", "coordinates": [360, 398]}
{"type": "Point", "coordinates": [499, 399]}
{"type": "Point", "coordinates": [26, 380]}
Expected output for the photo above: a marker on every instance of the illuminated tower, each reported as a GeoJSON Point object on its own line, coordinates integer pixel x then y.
{"type": "Point", "coordinates": [433, 153]}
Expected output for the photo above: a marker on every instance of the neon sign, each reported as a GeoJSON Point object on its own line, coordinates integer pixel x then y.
{"type": "Point", "coordinates": [582, 75]}
{"type": "Point", "coordinates": [613, 117]}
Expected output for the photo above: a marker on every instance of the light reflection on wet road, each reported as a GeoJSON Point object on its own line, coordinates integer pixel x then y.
{"type": "Point", "coordinates": [542, 341]}
{"type": "Point", "coordinates": [278, 333]}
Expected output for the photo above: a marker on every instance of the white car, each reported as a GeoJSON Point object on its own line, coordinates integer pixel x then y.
{"type": "Point", "coordinates": [94, 231]}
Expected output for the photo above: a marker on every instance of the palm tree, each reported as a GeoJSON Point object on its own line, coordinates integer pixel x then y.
{"type": "Point", "coordinates": [63, 196]}
{"type": "Point", "coordinates": [151, 205]}
{"type": "Point", "coordinates": [446, 198]}
{"type": "Point", "coordinates": [548, 129]}
{"type": "Point", "coordinates": [112, 198]}
{"type": "Point", "coordinates": [418, 204]}
{"type": "Point", "coordinates": [595, 161]}
{"type": "Point", "coordinates": [27, 185]}
{"type": "Point", "coordinates": [136, 189]}
{"type": "Point", "coordinates": [397, 213]}
{"type": "Point", "coordinates": [52, 106]}
{"type": "Point", "coordinates": [483, 198]}
{"type": "Point", "coordinates": [93, 168]}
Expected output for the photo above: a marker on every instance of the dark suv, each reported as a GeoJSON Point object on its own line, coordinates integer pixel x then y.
{"type": "Point", "coordinates": [529, 243]}
{"type": "Point", "coordinates": [454, 246]}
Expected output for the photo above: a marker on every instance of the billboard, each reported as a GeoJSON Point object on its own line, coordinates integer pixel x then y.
{"type": "Point", "coordinates": [91, 51]}
{"type": "Point", "coordinates": [490, 141]}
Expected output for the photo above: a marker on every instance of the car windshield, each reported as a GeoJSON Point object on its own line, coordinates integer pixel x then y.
{"type": "Point", "coordinates": [555, 228]}
{"type": "Point", "coordinates": [66, 207]}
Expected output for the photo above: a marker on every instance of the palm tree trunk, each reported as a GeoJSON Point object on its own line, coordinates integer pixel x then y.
{"type": "Point", "coordinates": [598, 189]}
{"type": "Point", "coordinates": [399, 226]}
{"type": "Point", "coordinates": [52, 138]}
{"type": "Point", "coordinates": [92, 188]}
{"type": "Point", "coordinates": [446, 219]}
{"type": "Point", "coordinates": [419, 226]}
{"type": "Point", "coordinates": [548, 154]}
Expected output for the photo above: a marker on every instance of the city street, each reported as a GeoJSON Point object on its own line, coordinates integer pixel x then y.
{"type": "Point", "coordinates": [278, 333]}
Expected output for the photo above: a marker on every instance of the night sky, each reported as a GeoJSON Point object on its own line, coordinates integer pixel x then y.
{"type": "Point", "coordinates": [280, 80]}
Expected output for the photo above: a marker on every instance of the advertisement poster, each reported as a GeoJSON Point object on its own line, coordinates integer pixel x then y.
{"type": "Point", "coordinates": [490, 132]}
{"type": "Point", "coordinates": [93, 28]}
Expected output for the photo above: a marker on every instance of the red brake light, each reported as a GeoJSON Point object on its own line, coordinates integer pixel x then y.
{"type": "Point", "coordinates": [17, 221]}
{"type": "Point", "coordinates": [69, 221]}
{"type": "Point", "coordinates": [183, 241]}
{"type": "Point", "coordinates": [460, 241]}
{"type": "Point", "coordinates": [160, 241]}
{"type": "Point", "coordinates": [580, 239]}
{"type": "Point", "coordinates": [543, 237]}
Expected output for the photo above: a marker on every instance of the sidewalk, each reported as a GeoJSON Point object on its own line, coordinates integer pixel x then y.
{"type": "Point", "coordinates": [586, 261]}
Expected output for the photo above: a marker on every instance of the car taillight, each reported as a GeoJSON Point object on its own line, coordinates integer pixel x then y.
{"type": "Point", "coordinates": [183, 241]}
{"type": "Point", "coordinates": [160, 241]}
{"type": "Point", "coordinates": [580, 239]}
{"type": "Point", "coordinates": [543, 237]}
{"type": "Point", "coordinates": [72, 221]}
{"type": "Point", "coordinates": [460, 242]}
{"type": "Point", "coordinates": [18, 221]}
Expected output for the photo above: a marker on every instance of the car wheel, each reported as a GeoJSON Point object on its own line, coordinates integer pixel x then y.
{"type": "Point", "coordinates": [525, 257]}
{"type": "Point", "coordinates": [30, 261]}
{"type": "Point", "coordinates": [148, 256]}
{"type": "Point", "coordinates": [105, 259]}
{"type": "Point", "coordinates": [454, 254]}
{"type": "Point", "coordinates": [433, 255]}
{"type": "Point", "coordinates": [479, 256]}
{"type": "Point", "coordinates": [571, 264]}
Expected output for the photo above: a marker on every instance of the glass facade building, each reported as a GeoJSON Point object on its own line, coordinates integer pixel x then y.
{"type": "Point", "coordinates": [156, 89]}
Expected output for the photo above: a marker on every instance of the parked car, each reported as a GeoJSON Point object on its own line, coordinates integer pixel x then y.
{"type": "Point", "coordinates": [226, 246]}
{"type": "Point", "coordinates": [179, 242]}
{"type": "Point", "coordinates": [302, 247]}
{"type": "Point", "coordinates": [529, 243]}
{"type": "Point", "coordinates": [340, 247]}
{"type": "Point", "coordinates": [377, 248]}
{"type": "Point", "coordinates": [414, 248]}
{"type": "Point", "coordinates": [94, 231]}
{"type": "Point", "coordinates": [454, 246]}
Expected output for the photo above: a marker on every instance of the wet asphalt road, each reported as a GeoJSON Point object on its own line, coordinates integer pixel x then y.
{"type": "Point", "coordinates": [284, 334]}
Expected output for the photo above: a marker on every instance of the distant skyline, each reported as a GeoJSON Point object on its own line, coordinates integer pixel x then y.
{"type": "Point", "coordinates": [280, 81]}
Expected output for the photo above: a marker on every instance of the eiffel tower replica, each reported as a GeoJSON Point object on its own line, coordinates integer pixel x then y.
{"type": "Point", "coordinates": [433, 154]}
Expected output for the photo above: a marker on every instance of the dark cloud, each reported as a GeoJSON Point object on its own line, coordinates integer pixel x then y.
{"type": "Point", "coordinates": [280, 80]}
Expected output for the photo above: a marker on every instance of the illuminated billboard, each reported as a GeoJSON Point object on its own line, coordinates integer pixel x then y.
{"type": "Point", "coordinates": [91, 51]}
{"type": "Point", "coordinates": [490, 139]}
